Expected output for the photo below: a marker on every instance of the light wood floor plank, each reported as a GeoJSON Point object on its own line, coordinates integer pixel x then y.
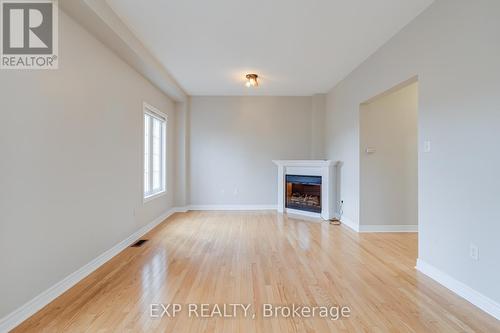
{"type": "Point", "coordinates": [257, 258]}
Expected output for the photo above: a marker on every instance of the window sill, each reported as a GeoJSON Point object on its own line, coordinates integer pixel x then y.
{"type": "Point", "coordinates": [154, 196]}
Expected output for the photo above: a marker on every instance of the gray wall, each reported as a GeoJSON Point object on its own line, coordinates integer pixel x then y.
{"type": "Point", "coordinates": [181, 153]}
{"type": "Point", "coordinates": [317, 151]}
{"type": "Point", "coordinates": [454, 49]}
{"type": "Point", "coordinates": [71, 164]}
{"type": "Point", "coordinates": [389, 176]}
{"type": "Point", "coordinates": [233, 141]}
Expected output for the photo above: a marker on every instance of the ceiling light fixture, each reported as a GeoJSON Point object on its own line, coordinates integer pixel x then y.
{"type": "Point", "coordinates": [252, 80]}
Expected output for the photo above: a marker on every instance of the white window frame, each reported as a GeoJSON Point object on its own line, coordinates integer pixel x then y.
{"type": "Point", "coordinates": [155, 113]}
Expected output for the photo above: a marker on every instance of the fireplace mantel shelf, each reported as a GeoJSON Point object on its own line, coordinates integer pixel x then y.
{"type": "Point", "coordinates": [304, 163]}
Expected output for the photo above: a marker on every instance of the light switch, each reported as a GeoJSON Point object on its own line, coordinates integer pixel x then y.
{"type": "Point", "coordinates": [370, 150]}
{"type": "Point", "coordinates": [427, 146]}
{"type": "Point", "coordinates": [474, 252]}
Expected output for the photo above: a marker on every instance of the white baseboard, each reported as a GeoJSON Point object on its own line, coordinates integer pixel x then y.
{"type": "Point", "coordinates": [183, 209]}
{"type": "Point", "coordinates": [388, 228]}
{"type": "Point", "coordinates": [303, 213]}
{"type": "Point", "coordinates": [30, 308]}
{"type": "Point", "coordinates": [481, 301]}
{"type": "Point", "coordinates": [232, 207]}
{"type": "Point", "coordinates": [350, 224]}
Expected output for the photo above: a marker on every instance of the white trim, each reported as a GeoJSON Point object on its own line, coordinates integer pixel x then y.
{"type": "Point", "coordinates": [388, 228]}
{"type": "Point", "coordinates": [292, 211]}
{"type": "Point", "coordinates": [154, 196]}
{"type": "Point", "coordinates": [183, 209]}
{"type": "Point", "coordinates": [31, 307]}
{"type": "Point", "coordinates": [378, 228]}
{"type": "Point", "coordinates": [304, 163]}
{"type": "Point", "coordinates": [476, 298]}
{"type": "Point", "coordinates": [231, 207]}
{"type": "Point", "coordinates": [153, 113]}
{"type": "Point", "coordinates": [350, 224]}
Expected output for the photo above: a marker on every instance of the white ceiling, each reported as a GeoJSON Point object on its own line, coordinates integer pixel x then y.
{"type": "Point", "coordinates": [298, 47]}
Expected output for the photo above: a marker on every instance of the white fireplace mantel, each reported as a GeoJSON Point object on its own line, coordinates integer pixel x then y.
{"type": "Point", "coordinates": [323, 168]}
{"type": "Point", "coordinates": [304, 163]}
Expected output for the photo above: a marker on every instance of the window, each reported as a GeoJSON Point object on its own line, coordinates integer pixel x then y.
{"type": "Point", "coordinates": [154, 152]}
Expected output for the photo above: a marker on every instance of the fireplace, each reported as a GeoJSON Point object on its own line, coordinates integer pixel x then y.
{"type": "Point", "coordinates": [313, 183]}
{"type": "Point", "coordinates": [303, 193]}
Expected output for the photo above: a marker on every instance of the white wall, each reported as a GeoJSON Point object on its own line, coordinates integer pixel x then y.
{"type": "Point", "coordinates": [453, 48]}
{"type": "Point", "coordinates": [233, 141]}
{"type": "Point", "coordinates": [71, 164]}
{"type": "Point", "coordinates": [389, 176]}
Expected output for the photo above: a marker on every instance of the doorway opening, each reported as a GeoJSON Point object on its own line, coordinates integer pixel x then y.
{"type": "Point", "coordinates": [389, 160]}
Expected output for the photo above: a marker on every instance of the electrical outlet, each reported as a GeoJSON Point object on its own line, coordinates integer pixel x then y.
{"type": "Point", "coordinates": [236, 191]}
{"type": "Point", "coordinates": [474, 252]}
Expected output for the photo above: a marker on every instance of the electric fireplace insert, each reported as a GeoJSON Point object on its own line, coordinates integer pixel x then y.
{"type": "Point", "coordinates": [303, 193]}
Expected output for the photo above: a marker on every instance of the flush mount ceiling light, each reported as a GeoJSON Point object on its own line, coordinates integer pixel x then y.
{"type": "Point", "coordinates": [252, 80]}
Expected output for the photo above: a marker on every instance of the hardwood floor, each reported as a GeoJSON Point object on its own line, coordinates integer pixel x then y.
{"type": "Point", "coordinates": [258, 258]}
